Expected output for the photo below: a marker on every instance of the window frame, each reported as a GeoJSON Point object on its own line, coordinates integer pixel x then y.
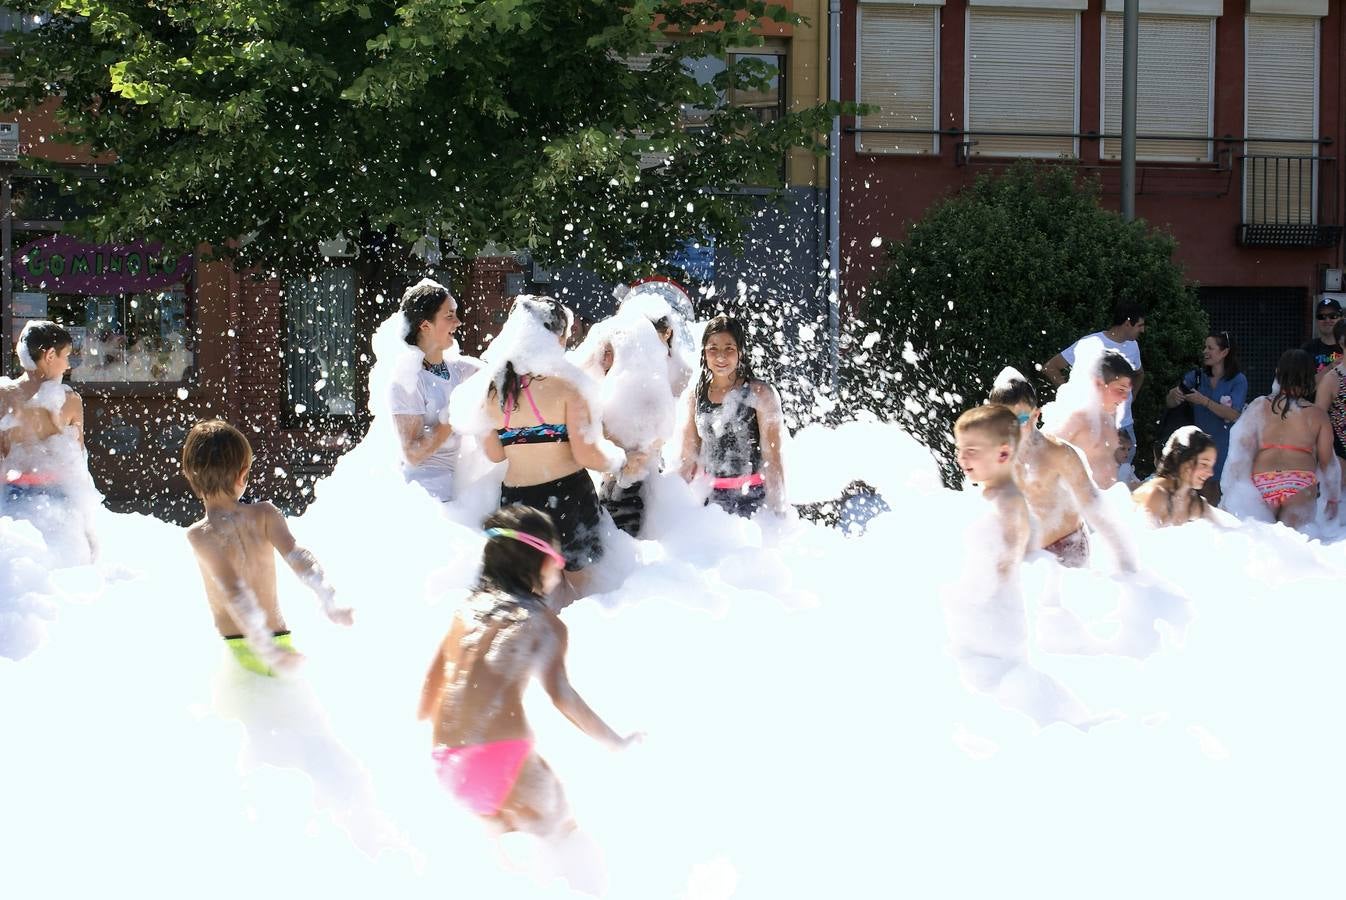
{"type": "Point", "coordinates": [323, 417]}
{"type": "Point", "coordinates": [971, 132]}
{"type": "Point", "coordinates": [1315, 187]}
{"type": "Point", "coordinates": [934, 149]}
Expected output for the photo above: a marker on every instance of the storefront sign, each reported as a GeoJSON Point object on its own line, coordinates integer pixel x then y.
{"type": "Point", "coordinates": [60, 264]}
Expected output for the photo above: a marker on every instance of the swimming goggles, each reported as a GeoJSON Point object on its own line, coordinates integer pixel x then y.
{"type": "Point", "coordinates": [536, 543]}
{"type": "Point", "coordinates": [1023, 417]}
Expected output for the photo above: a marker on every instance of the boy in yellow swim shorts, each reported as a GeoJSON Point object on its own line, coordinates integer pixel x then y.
{"type": "Point", "coordinates": [235, 545]}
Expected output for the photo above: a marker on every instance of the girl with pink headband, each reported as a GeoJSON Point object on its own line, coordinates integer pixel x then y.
{"type": "Point", "coordinates": [504, 634]}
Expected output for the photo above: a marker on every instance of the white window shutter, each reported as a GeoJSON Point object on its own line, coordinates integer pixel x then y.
{"type": "Point", "coordinates": [1282, 102]}
{"type": "Point", "coordinates": [897, 70]}
{"type": "Point", "coordinates": [1022, 75]}
{"type": "Point", "coordinates": [1173, 86]}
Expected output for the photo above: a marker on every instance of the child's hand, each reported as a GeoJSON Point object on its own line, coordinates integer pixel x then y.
{"type": "Point", "coordinates": [632, 739]}
{"type": "Point", "coordinates": [341, 615]}
{"type": "Point", "coordinates": [287, 661]}
{"type": "Point", "coordinates": [636, 461]}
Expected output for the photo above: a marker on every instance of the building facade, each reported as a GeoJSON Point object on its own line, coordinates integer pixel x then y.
{"type": "Point", "coordinates": [1241, 115]}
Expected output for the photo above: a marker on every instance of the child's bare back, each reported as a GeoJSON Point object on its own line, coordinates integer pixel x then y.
{"type": "Point", "coordinates": [236, 552]}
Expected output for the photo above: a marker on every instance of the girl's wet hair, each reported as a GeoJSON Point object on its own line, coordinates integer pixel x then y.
{"type": "Point", "coordinates": [1295, 373]}
{"type": "Point", "coordinates": [1183, 447]}
{"type": "Point", "coordinates": [723, 324]}
{"type": "Point", "coordinates": [1339, 332]}
{"type": "Point", "coordinates": [554, 316]}
{"type": "Point", "coordinates": [421, 303]}
{"type": "Point", "coordinates": [510, 565]}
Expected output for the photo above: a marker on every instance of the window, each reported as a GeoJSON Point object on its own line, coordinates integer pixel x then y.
{"type": "Point", "coordinates": [897, 70]}
{"type": "Point", "coordinates": [768, 102]}
{"type": "Point", "coordinates": [1174, 86]}
{"type": "Point", "coordinates": [1022, 76]}
{"type": "Point", "coordinates": [1281, 102]}
{"type": "Point", "coordinates": [320, 344]}
{"type": "Point", "coordinates": [125, 305]}
{"type": "Point", "coordinates": [16, 21]}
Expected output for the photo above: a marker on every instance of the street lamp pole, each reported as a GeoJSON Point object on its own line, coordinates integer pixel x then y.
{"type": "Point", "coordinates": [1130, 27]}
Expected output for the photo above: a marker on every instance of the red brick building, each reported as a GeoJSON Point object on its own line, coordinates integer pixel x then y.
{"type": "Point", "coordinates": [1241, 119]}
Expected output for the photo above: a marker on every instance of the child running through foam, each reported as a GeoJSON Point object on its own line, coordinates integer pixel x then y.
{"type": "Point", "coordinates": [1055, 483]}
{"type": "Point", "coordinates": [234, 545]}
{"type": "Point", "coordinates": [984, 609]}
{"type": "Point", "coordinates": [503, 635]}
{"type": "Point", "coordinates": [42, 446]}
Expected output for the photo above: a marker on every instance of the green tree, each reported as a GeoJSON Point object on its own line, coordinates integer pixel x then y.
{"type": "Point", "coordinates": [263, 126]}
{"type": "Point", "coordinates": [1007, 273]}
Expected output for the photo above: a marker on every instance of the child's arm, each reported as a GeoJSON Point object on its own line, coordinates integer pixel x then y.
{"type": "Point", "coordinates": [241, 603]}
{"type": "Point", "coordinates": [570, 703]}
{"type": "Point", "coordinates": [304, 565]}
{"type": "Point", "coordinates": [1092, 509]}
{"type": "Point", "coordinates": [691, 440]}
{"type": "Point", "coordinates": [770, 420]}
{"type": "Point", "coordinates": [1014, 519]}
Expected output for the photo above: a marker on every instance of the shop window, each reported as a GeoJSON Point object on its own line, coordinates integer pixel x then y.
{"type": "Point", "coordinates": [126, 305]}
{"type": "Point", "coordinates": [320, 343]}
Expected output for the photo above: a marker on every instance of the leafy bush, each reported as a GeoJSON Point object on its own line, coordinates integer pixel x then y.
{"type": "Point", "coordinates": [1008, 272]}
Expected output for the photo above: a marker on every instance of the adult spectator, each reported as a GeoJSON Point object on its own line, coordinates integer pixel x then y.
{"type": "Point", "coordinates": [1128, 324]}
{"type": "Point", "coordinates": [1217, 393]}
{"type": "Point", "coordinates": [1324, 348]}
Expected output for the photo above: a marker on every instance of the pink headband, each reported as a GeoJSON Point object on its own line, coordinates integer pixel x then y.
{"type": "Point", "coordinates": [536, 543]}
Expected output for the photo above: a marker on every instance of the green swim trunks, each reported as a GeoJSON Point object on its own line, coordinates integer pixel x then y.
{"type": "Point", "coordinates": [238, 645]}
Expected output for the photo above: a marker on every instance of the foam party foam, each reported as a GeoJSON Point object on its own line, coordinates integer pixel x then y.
{"type": "Point", "coordinates": [809, 732]}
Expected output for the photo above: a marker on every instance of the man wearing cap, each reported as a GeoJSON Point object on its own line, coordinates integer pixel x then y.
{"type": "Point", "coordinates": [1128, 324]}
{"type": "Point", "coordinates": [1323, 348]}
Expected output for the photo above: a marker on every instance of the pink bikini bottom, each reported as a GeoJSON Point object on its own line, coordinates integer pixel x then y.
{"type": "Point", "coordinates": [481, 775]}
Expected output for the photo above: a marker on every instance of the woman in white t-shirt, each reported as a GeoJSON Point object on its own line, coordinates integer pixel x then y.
{"type": "Point", "coordinates": [419, 398]}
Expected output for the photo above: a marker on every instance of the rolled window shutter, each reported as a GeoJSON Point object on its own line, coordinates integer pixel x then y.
{"type": "Point", "coordinates": [1173, 84]}
{"type": "Point", "coordinates": [897, 66]}
{"type": "Point", "coordinates": [1022, 75]}
{"type": "Point", "coordinates": [1282, 102]}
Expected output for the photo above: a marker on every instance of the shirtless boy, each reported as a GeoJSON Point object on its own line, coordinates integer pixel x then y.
{"type": "Point", "coordinates": [234, 545]}
{"type": "Point", "coordinates": [1054, 482]}
{"type": "Point", "coordinates": [986, 438]}
{"type": "Point", "coordinates": [42, 436]}
{"type": "Point", "coordinates": [1093, 431]}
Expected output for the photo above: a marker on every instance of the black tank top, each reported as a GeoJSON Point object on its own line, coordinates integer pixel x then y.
{"type": "Point", "coordinates": [731, 444]}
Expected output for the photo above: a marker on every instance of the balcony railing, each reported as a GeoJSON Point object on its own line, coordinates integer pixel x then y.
{"type": "Point", "coordinates": [1289, 201]}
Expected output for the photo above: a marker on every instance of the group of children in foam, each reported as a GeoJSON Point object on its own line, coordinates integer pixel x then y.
{"type": "Point", "coordinates": [819, 723]}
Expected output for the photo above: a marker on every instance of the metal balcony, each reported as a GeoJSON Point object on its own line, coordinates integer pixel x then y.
{"type": "Point", "coordinates": [1289, 201]}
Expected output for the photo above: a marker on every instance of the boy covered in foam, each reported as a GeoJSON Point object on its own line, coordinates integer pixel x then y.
{"type": "Point", "coordinates": [1055, 484]}
{"type": "Point", "coordinates": [1090, 406]}
{"type": "Point", "coordinates": [235, 545]}
{"type": "Point", "coordinates": [42, 445]}
{"type": "Point", "coordinates": [984, 609]}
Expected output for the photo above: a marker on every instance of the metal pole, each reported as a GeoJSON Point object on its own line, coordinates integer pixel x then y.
{"type": "Point", "coordinates": [7, 277]}
{"type": "Point", "coordinates": [1130, 27]}
{"type": "Point", "coordinates": [834, 196]}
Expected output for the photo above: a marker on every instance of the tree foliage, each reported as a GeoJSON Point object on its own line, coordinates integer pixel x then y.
{"type": "Point", "coordinates": [263, 126]}
{"type": "Point", "coordinates": [1007, 273]}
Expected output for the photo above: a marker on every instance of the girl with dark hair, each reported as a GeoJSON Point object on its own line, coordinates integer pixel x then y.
{"type": "Point", "coordinates": [502, 636]}
{"type": "Point", "coordinates": [1280, 441]}
{"type": "Point", "coordinates": [539, 423]}
{"type": "Point", "coordinates": [733, 432]}
{"type": "Point", "coordinates": [1173, 495]}
{"type": "Point", "coordinates": [419, 397]}
{"type": "Point", "coordinates": [1330, 397]}
{"type": "Point", "coordinates": [1216, 394]}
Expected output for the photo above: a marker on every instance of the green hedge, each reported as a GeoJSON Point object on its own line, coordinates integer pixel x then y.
{"type": "Point", "coordinates": [1008, 272]}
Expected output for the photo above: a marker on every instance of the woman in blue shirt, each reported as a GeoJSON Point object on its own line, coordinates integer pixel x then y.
{"type": "Point", "coordinates": [1217, 394]}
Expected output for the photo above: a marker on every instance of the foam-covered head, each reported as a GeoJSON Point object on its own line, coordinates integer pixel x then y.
{"type": "Point", "coordinates": [214, 455]}
{"type": "Point", "coordinates": [1012, 389]}
{"type": "Point", "coordinates": [37, 338]}
{"type": "Point", "coordinates": [420, 303]}
{"type": "Point", "coordinates": [512, 565]}
{"type": "Point", "coordinates": [549, 312]}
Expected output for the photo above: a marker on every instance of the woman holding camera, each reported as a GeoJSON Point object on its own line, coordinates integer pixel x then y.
{"type": "Point", "coordinates": [1217, 393]}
